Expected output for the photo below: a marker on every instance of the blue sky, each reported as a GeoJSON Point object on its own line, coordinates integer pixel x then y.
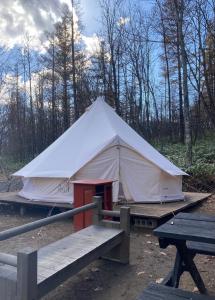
{"type": "Point", "coordinates": [91, 15]}
{"type": "Point", "coordinates": [32, 17]}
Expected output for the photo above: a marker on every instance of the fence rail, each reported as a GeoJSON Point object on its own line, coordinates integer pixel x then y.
{"type": "Point", "coordinates": [8, 259]}
{"type": "Point", "coordinates": [110, 213]}
{"type": "Point", "coordinates": [9, 233]}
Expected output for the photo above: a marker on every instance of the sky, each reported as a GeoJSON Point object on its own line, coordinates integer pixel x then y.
{"type": "Point", "coordinates": [19, 18]}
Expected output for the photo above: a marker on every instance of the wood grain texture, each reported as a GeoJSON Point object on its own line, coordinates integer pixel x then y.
{"type": "Point", "coordinates": [8, 283]}
{"type": "Point", "coordinates": [201, 248]}
{"type": "Point", "coordinates": [64, 258]}
{"type": "Point", "coordinates": [161, 292]}
{"type": "Point", "coordinates": [27, 274]}
{"type": "Point", "coordinates": [161, 210]}
{"type": "Point", "coordinates": [190, 227]}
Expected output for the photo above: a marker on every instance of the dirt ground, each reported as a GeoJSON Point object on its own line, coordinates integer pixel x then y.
{"type": "Point", "coordinates": [104, 280]}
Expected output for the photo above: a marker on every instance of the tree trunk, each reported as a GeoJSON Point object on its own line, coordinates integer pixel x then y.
{"type": "Point", "coordinates": [181, 113]}
{"type": "Point", "coordinates": [187, 123]}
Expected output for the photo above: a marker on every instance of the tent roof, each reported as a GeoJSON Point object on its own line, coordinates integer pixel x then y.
{"type": "Point", "coordinates": [97, 128]}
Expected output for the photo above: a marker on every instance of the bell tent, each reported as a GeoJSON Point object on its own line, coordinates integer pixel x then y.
{"type": "Point", "coordinates": [101, 145]}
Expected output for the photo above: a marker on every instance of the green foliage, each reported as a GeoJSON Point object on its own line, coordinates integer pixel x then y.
{"type": "Point", "coordinates": [203, 167]}
{"type": "Point", "coordinates": [9, 165]}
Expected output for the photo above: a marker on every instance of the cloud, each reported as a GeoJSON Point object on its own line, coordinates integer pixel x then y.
{"type": "Point", "coordinates": [92, 44]}
{"type": "Point", "coordinates": [123, 21]}
{"type": "Point", "coordinates": [28, 17]}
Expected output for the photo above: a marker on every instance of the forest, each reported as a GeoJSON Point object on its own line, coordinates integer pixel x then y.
{"type": "Point", "coordinates": [153, 61]}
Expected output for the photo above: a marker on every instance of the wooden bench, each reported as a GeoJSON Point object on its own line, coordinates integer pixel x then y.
{"type": "Point", "coordinates": [201, 248]}
{"type": "Point", "coordinates": [194, 248]}
{"type": "Point", "coordinates": [35, 273]}
{"type": "Point", "coordinates": [162, 292]}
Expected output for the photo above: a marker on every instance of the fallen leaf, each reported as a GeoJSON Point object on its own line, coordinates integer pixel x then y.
{"type": "Point", "coordinates": [159, 280]}
{"type": "Point", "coordinates": [146, 251]}
{"type": "Point", "coordinates": [95, 270]}
{"type": "Point", "coordinates": [98, 288]}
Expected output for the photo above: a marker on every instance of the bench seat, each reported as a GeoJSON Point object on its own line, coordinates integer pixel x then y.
{"type": "Point", "coordinates": [201, 248]}
{"type": "Point", "coordinates": [162, 292]}
{"type": "Point", "coordinates": [33, 273]}
{"type": "Point", "coordinates": [64, 258]}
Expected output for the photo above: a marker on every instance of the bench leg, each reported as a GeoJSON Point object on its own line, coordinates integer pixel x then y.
{"type": "Point", "coordinates": [173, 278]}
{"type": "Point", "coordinates": [27, 275]}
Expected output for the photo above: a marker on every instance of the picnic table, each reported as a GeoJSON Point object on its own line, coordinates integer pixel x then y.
{"type": "Point", "coordinates": [191, 234]}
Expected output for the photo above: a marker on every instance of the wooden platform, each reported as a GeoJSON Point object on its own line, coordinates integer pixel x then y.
{"type": "Point", "coordinates": [150, 211]}
{"type": "Point", "coordinates": [148, 215]}
{"type": "Point", "coordinates": [158, 210]}
{"type": "Point", "coordinates": [14, 198]}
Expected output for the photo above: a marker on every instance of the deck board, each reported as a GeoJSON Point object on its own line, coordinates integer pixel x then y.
{"type": "Point", "coordinates": [158, 210]}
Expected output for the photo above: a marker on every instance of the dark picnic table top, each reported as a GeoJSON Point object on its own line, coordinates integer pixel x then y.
{"type": "Point", "coordinates": [189, 227]}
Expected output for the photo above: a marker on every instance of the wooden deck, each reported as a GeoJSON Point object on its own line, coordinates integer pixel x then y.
{"type": "Point", "coordinates": [14, 198]}
{"type": "Point", "coordinates": [152, 211]}
{"type": "Point", "coordinates": [157, 211]}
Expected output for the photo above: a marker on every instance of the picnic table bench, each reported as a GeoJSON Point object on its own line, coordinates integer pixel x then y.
{"type": "Point", "coordinates": [162, 292]}
{"type": "Point", "coordinates": [191, 234]}
{"type": "Point", "coordinates": [33, 273]}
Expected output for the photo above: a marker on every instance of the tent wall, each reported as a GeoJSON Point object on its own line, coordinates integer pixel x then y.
{"type": "Point", "coordinates": [144, 182]}
{"type": "Point", "coordinates": [139, 177]}
{"type": "Point", "coordinates": [47, 189]}
{"type": "Point", "coordinates": [104, 166]}
{"type": "Point", "coordinates": [171, 187]}
{"type": "Point", "coordinates": [141, 180]}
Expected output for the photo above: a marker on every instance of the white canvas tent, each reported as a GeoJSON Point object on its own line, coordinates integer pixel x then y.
{"type": "Point", "coordinates": [101, 145]}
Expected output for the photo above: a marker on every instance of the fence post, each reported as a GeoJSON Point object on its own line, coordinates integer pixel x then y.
{"type": "Point", "coordinates": [97, 217]}
{"type": "Point", "coordinates": [125, 225]}
{"type": "Point", "coordinates": [120, 253]}
{"type": "Point", "coordinates": [27, 274]}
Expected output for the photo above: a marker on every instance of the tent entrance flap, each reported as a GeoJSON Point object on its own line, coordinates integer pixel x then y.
{"type": "Point", "coordinates": [103, 166]}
